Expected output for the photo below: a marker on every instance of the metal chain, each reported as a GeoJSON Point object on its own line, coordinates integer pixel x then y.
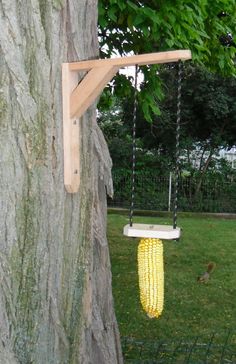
{"type": "Point", "coordinates": [177, 152]}
{"type": "Point", "coordinates": [134, 148]}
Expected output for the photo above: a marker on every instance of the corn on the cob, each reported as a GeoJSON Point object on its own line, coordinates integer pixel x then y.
{"type": "Point", "coordinates": [151, 276]}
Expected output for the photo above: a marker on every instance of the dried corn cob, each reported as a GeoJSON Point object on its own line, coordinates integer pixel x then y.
{"type": "Point", "coordinates": [151, 276]}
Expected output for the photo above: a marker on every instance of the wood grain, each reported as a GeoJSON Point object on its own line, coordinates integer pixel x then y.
{"type": "Point", "coordinates": [141, 59]}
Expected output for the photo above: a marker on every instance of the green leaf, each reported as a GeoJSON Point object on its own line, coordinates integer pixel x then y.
{"type": "Point", "coordinates": [112, 13]}
{"type": "Point", "coordinates": [121, 19]}
{"type": "Point", "coordinates": [130, 22]}
{"type": "Point", "coordinates": [146, 112]}
{"type": "Point", "coordinates": [151, 14]}
{"type": "Point", "coordinates": [138, 19]}
{"type": "Point", "coordinates": [172, 18]}
{"type": "Point", "coordinates": [103, 22]}
{"type": "Point", "coordinates": [122, 4]}
{"type": "Point", "coordinates": [132, 5]}
{"type": "Point", "coordinates": [156, 110]}
{"type": "Point", "coordinates": [145, 30]}
{"type": "Point", "coordinates": [221, 63]}
{"type": "Point", "coordinates": [170, 42]}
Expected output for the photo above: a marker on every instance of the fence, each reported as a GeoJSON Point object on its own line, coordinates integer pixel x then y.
{"type": "Point", "coordinates": [156, 193]}
{"type": "Point", "coordinates": [214, 348]}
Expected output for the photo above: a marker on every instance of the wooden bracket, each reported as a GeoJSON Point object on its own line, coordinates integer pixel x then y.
{"type": "Point", "coordinates": [78, 97]}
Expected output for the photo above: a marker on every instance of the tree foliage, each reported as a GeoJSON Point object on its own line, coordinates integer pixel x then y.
{"type": "Point", "coordinates": [208, 109]}
{"type": "Point", "coordinates": [208, 123]}
{"type": "Point", "coordinates": [150, 26]}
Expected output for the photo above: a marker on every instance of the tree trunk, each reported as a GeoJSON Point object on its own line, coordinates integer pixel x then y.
{"type": "Point", "coordinates": [55, 283]}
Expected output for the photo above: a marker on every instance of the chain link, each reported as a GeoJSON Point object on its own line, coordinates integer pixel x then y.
{"type": "Point", "coordinates": [134, 147]}
{"type": "Point", "coordinates": [177, 146]}
{"type": "Point", "coordinates": [177, 155]}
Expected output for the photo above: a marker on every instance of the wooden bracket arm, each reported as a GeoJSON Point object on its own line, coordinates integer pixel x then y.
{"type": "Point", "coordinates": [78, 97]}
{"type": "Point", "coordinates": [140, 59]}
{"type": "Point", "coordinates": [90, 88]}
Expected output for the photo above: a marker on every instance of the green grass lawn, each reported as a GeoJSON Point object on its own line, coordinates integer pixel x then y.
{"type": "Point", "coordinates": [190, 308]}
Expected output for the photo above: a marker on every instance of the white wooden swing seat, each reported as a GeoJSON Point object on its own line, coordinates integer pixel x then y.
{"type": "Point", "coordinates": [166, 232]}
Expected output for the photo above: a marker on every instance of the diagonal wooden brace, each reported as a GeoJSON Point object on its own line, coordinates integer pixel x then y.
{"type": "Point", "coordinates": [90, 88]}
{"type": "Point", "coordinates": [78, 97]}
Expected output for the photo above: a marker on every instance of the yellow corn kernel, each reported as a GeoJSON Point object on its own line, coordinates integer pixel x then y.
{"type": "Point", "coordinates": [151, 276]}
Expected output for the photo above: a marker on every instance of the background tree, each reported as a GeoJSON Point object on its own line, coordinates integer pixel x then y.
{"type": "Point", "coordinates": [207, 126]}
{"type": "Point", "coordinates": [151, 26]}
{"type": "Point", "coordinates": [55, 282]}
{"type": "Point", "coordinates": [208, 113]}
{"type": "Point", "coordinates": [208, 118]}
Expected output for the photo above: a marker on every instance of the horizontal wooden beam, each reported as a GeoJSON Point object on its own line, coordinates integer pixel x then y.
{"type": "Point", "coordinates": [141, 59]}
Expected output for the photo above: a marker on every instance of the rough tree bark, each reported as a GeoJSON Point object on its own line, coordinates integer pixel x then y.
{"type": "Point", "coordinates": [55, 283]}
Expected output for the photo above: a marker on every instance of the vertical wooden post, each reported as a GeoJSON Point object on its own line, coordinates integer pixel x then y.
{"type": "Point", "coordinates": [70, 132]}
